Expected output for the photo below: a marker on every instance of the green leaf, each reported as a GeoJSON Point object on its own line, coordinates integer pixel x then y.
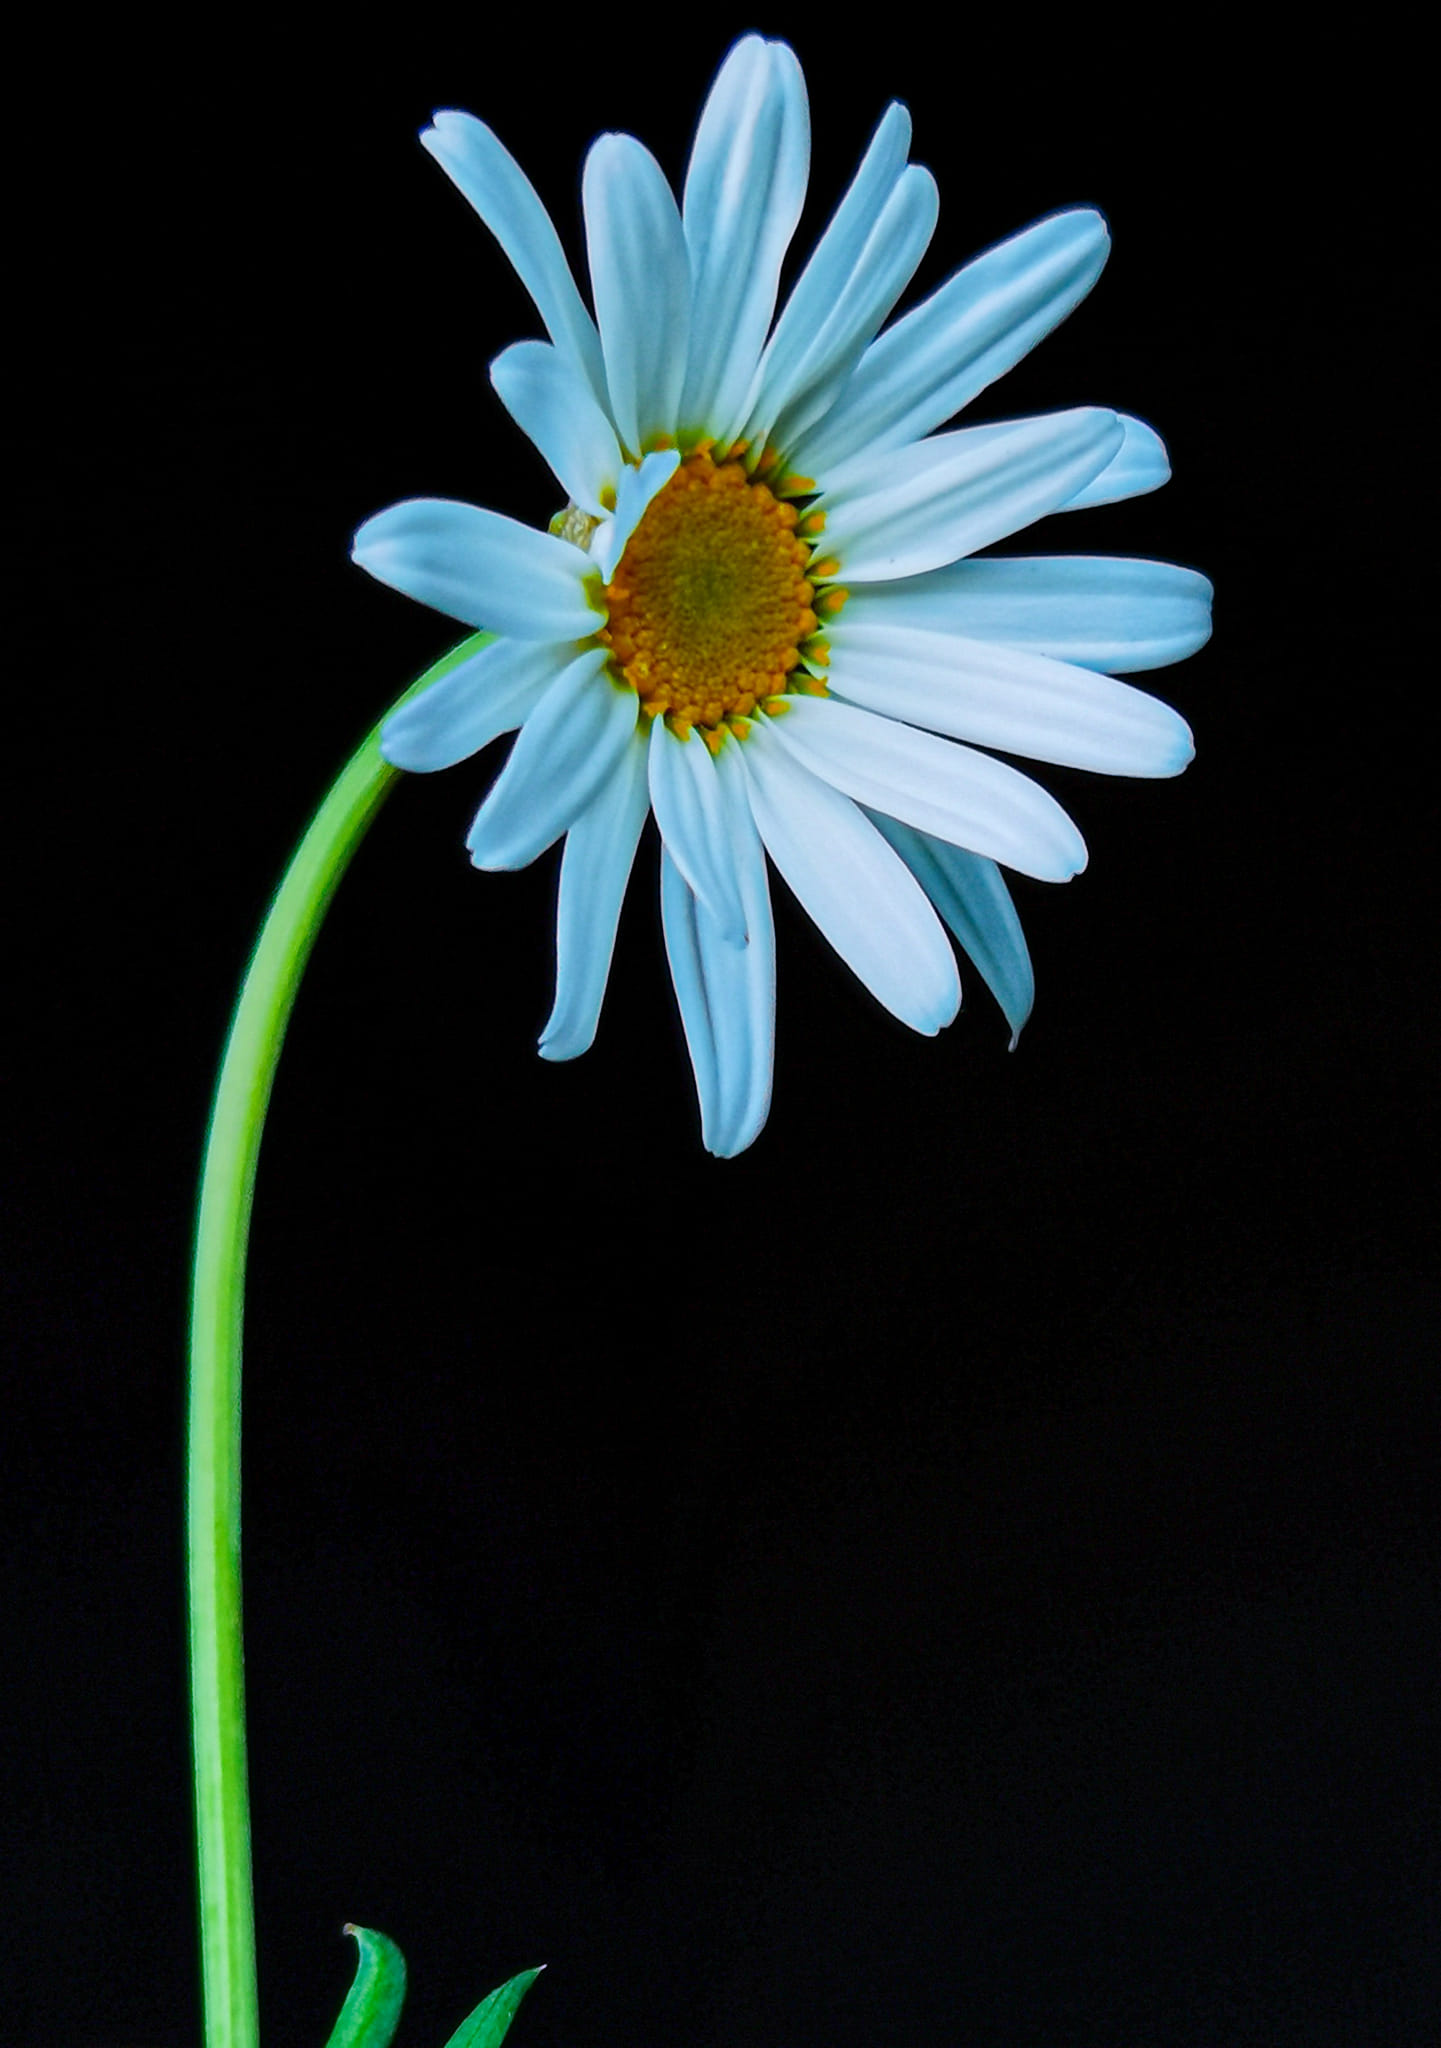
{"type": "Point", "coordinates": [490, 2022]}
{"type": "Point", "coordinates": [371, 2014]}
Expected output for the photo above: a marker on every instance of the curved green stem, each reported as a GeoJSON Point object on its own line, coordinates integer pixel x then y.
{"type": "Point", "coordinates": [227, 1181]}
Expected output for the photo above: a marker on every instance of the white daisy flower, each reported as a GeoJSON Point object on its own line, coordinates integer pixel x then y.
{"type": "Point", "coordinates": [758, 615]}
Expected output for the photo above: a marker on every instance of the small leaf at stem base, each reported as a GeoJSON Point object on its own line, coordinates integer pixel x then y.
{"type": "Point", "coordinates": [371, 2014]}
{"type": "Point", "coordinates": [489, 2023]}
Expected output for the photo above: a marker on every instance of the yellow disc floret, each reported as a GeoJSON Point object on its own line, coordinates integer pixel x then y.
{"type": "Point", "coordinates": [711, 606]}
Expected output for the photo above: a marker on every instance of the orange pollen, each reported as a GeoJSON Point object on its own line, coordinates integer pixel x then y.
{"type": "Point", "coordinates": [712, 602]}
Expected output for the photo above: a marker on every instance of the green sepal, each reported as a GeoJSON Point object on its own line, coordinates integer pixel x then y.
{"type": "Point", "coordinates": [489, 2024]}
{"type": "Point", "coordinates": [371, 2014]}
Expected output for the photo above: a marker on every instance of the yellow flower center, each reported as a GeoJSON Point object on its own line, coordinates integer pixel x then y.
{"type": "Point", "coordinates": [711, 607]}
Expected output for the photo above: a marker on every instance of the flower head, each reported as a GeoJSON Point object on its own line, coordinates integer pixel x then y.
{"type": "Point", "coordinates": [761, 614]}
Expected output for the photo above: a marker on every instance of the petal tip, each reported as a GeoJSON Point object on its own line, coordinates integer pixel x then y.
{"type": "Point", "coordinates": [732, 1144]}
{"type": "Point", "coordinates": [440, 138]}
{"type": "Point", "coordinates": [559, 1046]}
{"type": "Point", "coordinates": [364, 537]}
{"type": "Point", "coordinates": [1178, 755]}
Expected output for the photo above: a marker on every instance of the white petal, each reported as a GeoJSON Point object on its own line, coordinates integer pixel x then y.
{"type": "Point", "coordinates": [912, 509]}
{"type": "Point", "coordinates": [594, 870]}
{"type": "Point", "coordinates": [636, 489]}
{"type": "Point", "coordinates": [491, 179]}
{"type": "Point", "coordinates": [1139, 465]}
{"type": "Point", "coordinates": [951, 792]}
{"type": "Point", "coordinates": [640, 276]}
{"type": "Point", "coordinates": [490, 692]}
{"type": "Point", "coordinates": [480, 567]}
{"type": "Point", "coordinates": [743, 195]}
{"type": "Point", "coordinates": [859, 893]}
{"type": "Point", "coordinates": [979, 323]}
{"type": "Point", "coordinates": [726, 993]}
{"type": "Point", "coordinates": [1009, 698]}
{"type": "Point", "coordinates": [569, 745]}
{"type": "Point", "coordinates": [834, 259]}
{"type": "Point", "coordinates": [550, 401]}
{"type": "Point", "coordinates": [885, 266]}
{"type": "Point", "coordinates": [1098, 611]}
{"type": "Point", "coordinates": [678, 912]}
{"type": "Point", "coordinates": [971, 895]}
{"type": "Point", "coordinates": [742, 980]}
{"type": "Point", "coordinates": [685, 794]}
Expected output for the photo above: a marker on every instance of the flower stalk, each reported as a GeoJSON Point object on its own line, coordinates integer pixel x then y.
{"type": "Point", "coordinates": [227, 1181]}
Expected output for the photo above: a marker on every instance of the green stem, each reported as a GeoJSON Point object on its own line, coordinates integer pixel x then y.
{"type": "Point", "coordinates": [227, 1182]}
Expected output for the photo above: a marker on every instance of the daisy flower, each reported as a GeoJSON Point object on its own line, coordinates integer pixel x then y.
{"type": "Point", "coordinates": [761, 615]}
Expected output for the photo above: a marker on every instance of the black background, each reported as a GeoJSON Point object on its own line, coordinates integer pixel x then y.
{"type": "Point", "coordinates": [961, 1573]}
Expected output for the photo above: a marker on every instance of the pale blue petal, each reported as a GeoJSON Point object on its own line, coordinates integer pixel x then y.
{"type": "Point", "coordinates": [594, 870]}
{"type": "Point", "coordinates": [832, 264]}
{"type": "Point", "coordinates": [1098, 611]}
{"type": "Point", "coordinates": [953, 793]}
{"type": "Point", "coordinates": [912, 509]}
{"type": "Point", "coordinates": [741, 981]}
{"type": "Point", "coordinates": [481, 567]}
{"type": "Point", "coordinates": [566, 749]}
{"type": "Point", "coordinates": [972, 330]}
{"type": "Point", "coordinates": [496, 186]}
{"type": "Point", "coordinates": [640, 276]}
{"type": "Point", "coordinates": [884, 268]}
{"type": "Point", "coordinates": [636, 489]}
{"type": "Point", "coordinates": [743, 197]}
{"type": "Point", "coordinates": [679, 912]}
{"type": "Point", "coordinates": [685, 795]}
{"type": "Point", "coordinates": [490, 692]}
{"type": "Point", "coordinates": [971, 895]}
{"type": "Point", "coordinates": [726, 993]}
{"type": "Point", "coordinates": [550, 401]}
{"type": "Point", "coordinates": [859, 894]}
{"type": "Point", "coordinates": [1139, 465]}
{"type": "Point", "coordinates": [1007, 697]}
